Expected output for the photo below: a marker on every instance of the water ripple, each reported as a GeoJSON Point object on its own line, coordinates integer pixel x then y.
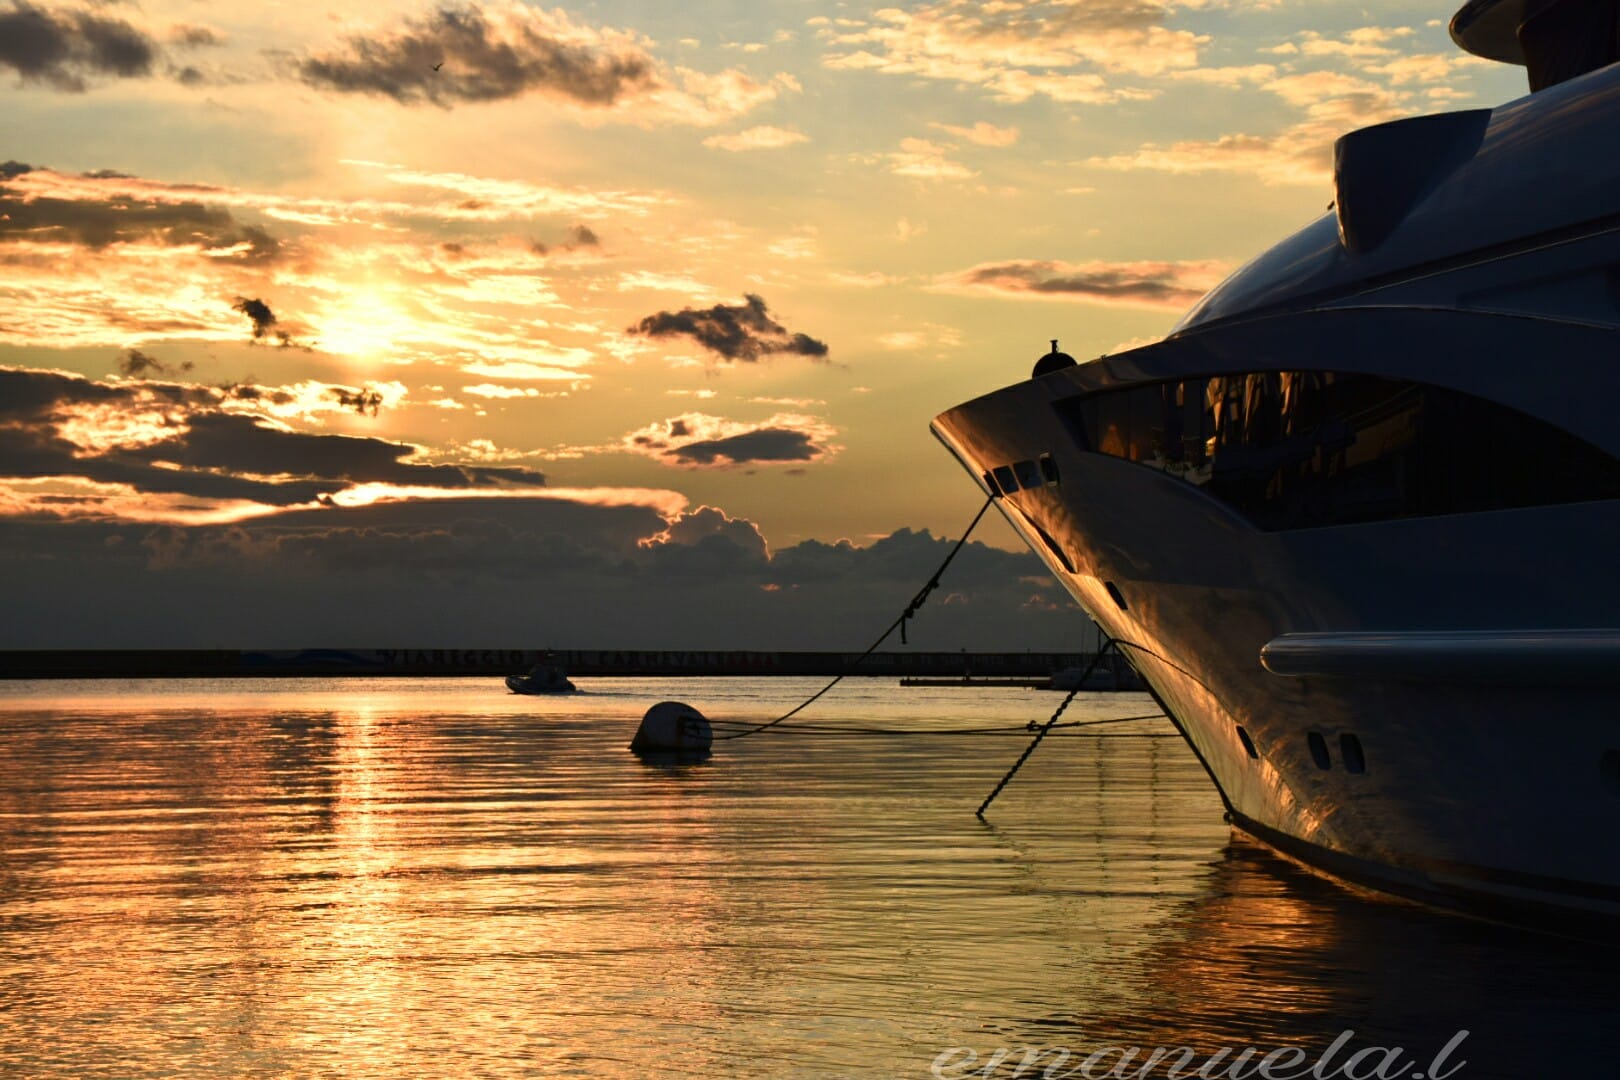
{"type": "Point", "coordinates": [396, 877]}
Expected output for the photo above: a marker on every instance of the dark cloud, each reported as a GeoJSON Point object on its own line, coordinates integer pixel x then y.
{"type": "Point", "coordinates": [482, 60]}
{"type": "Point", "coordinates": [62, 48]}
{"type": "Point", "coordinates": [40, 452]}
{"type": "Point", "coordinates": [264, 320]}
{"type": "Point", "coordinates": [122, 219]}
{"type": "Point", "coordinates": [731, 331]}
{"type": "Point", "coordinates": [366, 400]}
{"type": "Point", "coordinates": [897, 556]}
{"type": "Point", "coordinates": [451, 571]}
{"type": "Point", "coordinates": [31, 397]}
{"type": "Point", "coordinates": [246, 444]}
{"type": "Point", "coordinates": [761, 446]}
{"type": "Point", "coordinates": [707, 523]}
{"type": "Point", "coordinates": [233, 443]}
{"type": "Point", "coordinates": [192, 447]}
{"type": "Point", "coordinates": [96, 224]}
{"type": "Point", "coordinates": [362, 401]}
{"type": "Point", "coordinates": [707, 542]}
{"type": "Point", "coordinates": [1102, 283]}
{"type": "Point", "coordinates": [195, 37]}
{"type": "Point", "coordinates": [137, 364]}
{"type": "Point", "coordinates": [1149, 284]}
{"type": "Point", "coordinates": [580, 236]}
{"type": "Point", "coordinates": [700, 441]}
{"type": "Point", "coordinates": [497, 573]}
{"type": "Point", "coordinates": [265, 324]}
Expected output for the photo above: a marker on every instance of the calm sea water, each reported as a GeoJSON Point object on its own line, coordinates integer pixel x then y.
{"type": "Point", "coordinates": [433, 877]}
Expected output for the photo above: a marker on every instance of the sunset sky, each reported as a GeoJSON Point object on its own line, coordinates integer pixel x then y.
{"type": "Point", "coordinates": [398, 321]}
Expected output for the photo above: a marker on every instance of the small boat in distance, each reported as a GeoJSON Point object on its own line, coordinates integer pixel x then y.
{"type": "Point", "coordinates": [545, 677]}
{"type": "Point", "coordinates": [1104, 677]}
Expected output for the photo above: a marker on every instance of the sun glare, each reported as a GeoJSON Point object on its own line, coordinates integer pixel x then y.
{"type": "Point", "coordinates": [365, 324]}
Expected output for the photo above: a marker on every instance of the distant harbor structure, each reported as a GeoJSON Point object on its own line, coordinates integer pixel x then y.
{"type": "Point", "coordinates": [233, 663]}
{"type": "Point", "coordinates": [1111, 672]}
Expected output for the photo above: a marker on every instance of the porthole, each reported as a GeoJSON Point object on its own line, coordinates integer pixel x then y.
{"type": "Point", "coordinates": [1248, 743]}
{"type": "Point", "coordinates": [1028, 475]}
{"type": "Point", "coordinates": [1049, 470]}
{"type": "Point", "coordinates": [1005, 480]}
{"type": "Point", "coordinates": [1115, 595]}
{"type": "Point", "coordinates": [1319, 750]}
{"type": "Point", "coordinates": [991, 486]}
{"type": "Point", "coordinates": [1350, 750]}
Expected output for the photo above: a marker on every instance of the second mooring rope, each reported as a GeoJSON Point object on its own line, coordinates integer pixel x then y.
{"type": "Point", "coordinates": [900, 624]}
{"type": "Point", "coordinates": [1047, 727]}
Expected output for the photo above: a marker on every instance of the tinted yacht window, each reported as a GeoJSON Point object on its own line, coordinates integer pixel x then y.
{"type": "Point", "coordinates": [1299, 449]}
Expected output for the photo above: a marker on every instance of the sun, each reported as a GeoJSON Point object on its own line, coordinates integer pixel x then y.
{"type": "Point", "coordinates": [366, 324]}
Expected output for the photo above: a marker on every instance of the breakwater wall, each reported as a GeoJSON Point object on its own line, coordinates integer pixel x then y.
{"type": "Point", "coordinates": [233, 663]}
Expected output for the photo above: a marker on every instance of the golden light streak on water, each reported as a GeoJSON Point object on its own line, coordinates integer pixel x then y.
{"type": "Point", "coordinates": [403, 878]}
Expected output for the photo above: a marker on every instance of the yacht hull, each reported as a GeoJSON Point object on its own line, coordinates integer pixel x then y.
{"type": "Point", "coordinates": [1491, 786]}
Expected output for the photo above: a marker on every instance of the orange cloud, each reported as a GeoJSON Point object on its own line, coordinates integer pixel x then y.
{"type": "Point", "coordinates": [1016, 51]}
{"type": "Point", "coordinates": [1301, 153]}
{"type": "Point", "coordinates": [926, 160]}
{"type": "Point", "coordinates": [473, 198]}
{"type": "Point", "coordinates": [221, 449]}
{"type": "Point", "coordinates": [108, 260]}
{"type": "Point", "coordinates": [757, 138]}
{"type": "Point", "coordinates": [1360, 44]}
{"type": "Point", "coordinates": [981, 133]}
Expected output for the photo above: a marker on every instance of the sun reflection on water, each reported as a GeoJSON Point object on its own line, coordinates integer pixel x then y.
{"type": "Point", "coordinates": [382, 878]}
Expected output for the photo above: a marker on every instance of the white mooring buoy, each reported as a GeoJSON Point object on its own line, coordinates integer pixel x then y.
{"type": "Point", "coordinates": [672, 727]}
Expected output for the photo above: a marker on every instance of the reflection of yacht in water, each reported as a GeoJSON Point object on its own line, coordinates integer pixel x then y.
{"type": "Point", "coordinates": [1356, 520]}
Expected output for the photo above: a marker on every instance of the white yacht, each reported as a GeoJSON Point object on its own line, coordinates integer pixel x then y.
{"type": "Point", "coordinates": [1356, 521]}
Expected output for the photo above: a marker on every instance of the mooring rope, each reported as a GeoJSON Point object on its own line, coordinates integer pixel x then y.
{"type": "Point", "coordinates": [1019, 730]}
{"type": "Point", "coordinates": [898, 624]}
{"type": "Point", "coordinates": [821, 733]}
{"type": "Point", "coordinates": [1045, 729]}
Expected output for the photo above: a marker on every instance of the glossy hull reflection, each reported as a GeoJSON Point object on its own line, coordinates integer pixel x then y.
{"type": "Point", "coordinates": [1422, 773]}
{"type": "Point", "coordinates": [1353, 519]}
{"type": "Point", "coordinates": [1292, 958]}
{"type": "Point", "coordinates": [386, 877]}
